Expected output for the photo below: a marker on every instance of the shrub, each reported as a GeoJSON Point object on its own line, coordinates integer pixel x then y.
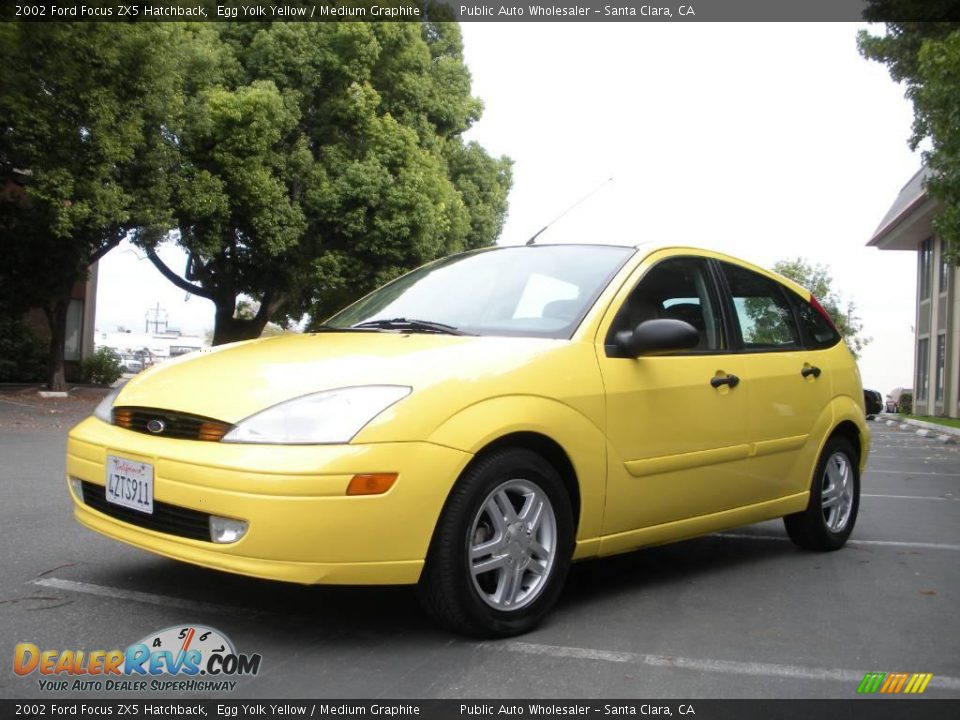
{"type": "Point", "coordinates": [101, 368]}
{"type": "Point", "coordinates": [23, 356]}
{"type": "Point", "coordinates": [905, 404]}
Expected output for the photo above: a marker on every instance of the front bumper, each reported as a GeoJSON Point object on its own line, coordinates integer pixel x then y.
{"type": "Point", "coordinates": [302, 526]}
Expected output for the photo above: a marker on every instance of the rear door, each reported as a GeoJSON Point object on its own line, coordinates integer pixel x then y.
{"type": "Point", "coordinates": [789, 385]}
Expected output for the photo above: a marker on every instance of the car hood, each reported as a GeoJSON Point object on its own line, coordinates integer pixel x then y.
{"type": "Point", "coordinates": [232, 382]}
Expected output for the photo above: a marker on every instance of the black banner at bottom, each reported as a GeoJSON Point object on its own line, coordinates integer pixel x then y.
{"type": "Point", "coordinates": [868, 709]}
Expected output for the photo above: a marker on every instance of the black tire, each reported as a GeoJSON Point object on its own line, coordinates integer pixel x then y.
{"type": "Point", "coordinates": [464, 602]}
{"type": "Point", "coordinates": [817, 527]}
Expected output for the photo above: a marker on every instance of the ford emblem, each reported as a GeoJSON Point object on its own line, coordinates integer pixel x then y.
{"type": "Point", "coordinates": [156, 426]}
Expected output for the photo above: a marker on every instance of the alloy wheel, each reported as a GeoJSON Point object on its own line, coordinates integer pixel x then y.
{"type": "Point", "coordinates": [836, 496]}
{"type": "Point", "coordinates": [512, 545]}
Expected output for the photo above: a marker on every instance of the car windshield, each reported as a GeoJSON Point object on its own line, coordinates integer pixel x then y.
{"type": "Point", "coordinates": [531, 291]}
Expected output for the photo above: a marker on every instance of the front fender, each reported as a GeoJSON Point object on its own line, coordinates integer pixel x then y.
{"type": "Point", "coordinates": [477, 426]}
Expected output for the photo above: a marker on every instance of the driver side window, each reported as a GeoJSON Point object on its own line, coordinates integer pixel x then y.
{"type": "Point", "coordinates": [677, 289]}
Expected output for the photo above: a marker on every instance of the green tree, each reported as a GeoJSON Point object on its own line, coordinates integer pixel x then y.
{"type": "Point", "coordinates": [319, 160]}
{"type": "Point", "coordinates": [817, 279]}
{"type": "Point", "coordinates": [921, 48]}
{"type": "Point", "coordinates": [82, 156]}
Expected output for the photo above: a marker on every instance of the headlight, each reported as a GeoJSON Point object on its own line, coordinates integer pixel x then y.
{"type": "Point", "coordinates": [102, 410]}
{"type": "Point", "coordinates": [331, 416]}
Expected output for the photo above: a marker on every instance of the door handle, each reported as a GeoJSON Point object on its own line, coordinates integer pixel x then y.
{"type": "Point", "coordinates": [731, 380]}
{"type": "Point", "coordinates": [809, 370]}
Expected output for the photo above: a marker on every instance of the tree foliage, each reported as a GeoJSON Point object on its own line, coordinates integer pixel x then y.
{"type": "Point", "coordinates": [921, 48]}
{"type": "Point", "coordinates": [817, 279]}
{"type": "Point", "coordinates": [319, 160]}
{"type": "Point", "coordinates": [299, 164]}
{"type": "Point", "coordinates": [82, 155]}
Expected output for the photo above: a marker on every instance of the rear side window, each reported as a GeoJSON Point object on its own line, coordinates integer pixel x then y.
{"type": "Point", "coordinates": [818, 333]}
{"type": "Point", "coordinates": [762, 310]}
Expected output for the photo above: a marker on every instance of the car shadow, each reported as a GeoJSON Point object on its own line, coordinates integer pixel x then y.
{"type": "Point", "coordinates": [659, 567]}
{"type": "Point", "coordinates": [200, 594]}
{"type": "Point", "coordinates": [208, 595]}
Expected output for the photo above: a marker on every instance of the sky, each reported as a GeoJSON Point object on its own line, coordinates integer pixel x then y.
{"type": "Point", "coordinates": [765, 141]}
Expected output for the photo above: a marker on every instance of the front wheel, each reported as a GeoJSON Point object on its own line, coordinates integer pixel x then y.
{"type": "Point", "coordinates": [502, 548]}
{"type": "Point", "coordinates": [834, 500]}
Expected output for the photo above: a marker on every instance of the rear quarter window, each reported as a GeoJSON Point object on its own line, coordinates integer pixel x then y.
{"type": "Point", "coordinates": [817, 332]}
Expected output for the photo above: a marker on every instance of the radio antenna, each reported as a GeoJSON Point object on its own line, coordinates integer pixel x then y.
{"type": "Point", "coordinates": [578, 202]}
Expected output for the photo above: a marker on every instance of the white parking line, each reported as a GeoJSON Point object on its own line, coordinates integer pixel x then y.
{"type": "Point", "coordinates": [14, 402]}
{"type": "Point", "coordinates": [876, 456]}
{"type": "Point", "coordinates": [906, 446]}
{"type": "Point", "coordinates": [727, 667]}
{"type": "Point", "coordinates": [166, 601]}
{"type": "Point", "coordinates": [910, 497]}
{"type": "Point", "coordinates": [910, 472]}
{"type": "Point", "coordinates": [887, 543]}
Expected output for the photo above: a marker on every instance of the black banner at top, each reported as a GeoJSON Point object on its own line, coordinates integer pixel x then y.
{"type": "Point", "coordinates": [477, 10]}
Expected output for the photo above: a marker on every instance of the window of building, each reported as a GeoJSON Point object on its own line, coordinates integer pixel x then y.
{"type": "Point", "coordinates": [941, 360]}
{"type": "Point", "coordinates": [74, 337]}
{"type": "Point", "coordinates": [943, 277]}
{"type": "Point", "coordinates": [926, 265]}
{"type": "Point", "coordinates": [923, 368]}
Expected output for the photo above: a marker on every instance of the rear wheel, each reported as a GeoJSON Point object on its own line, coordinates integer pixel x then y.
{"type": "Point", "coordinates": [834, 500]}
{"type": "Point", "coordinates": [502, 548]}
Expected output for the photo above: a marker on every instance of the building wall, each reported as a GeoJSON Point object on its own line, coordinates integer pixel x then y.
{"type": "Point", "coordinates": [80, 324]}
{"type": "Point", "coordinates": [90, 311]}
{"type": "Point", "coordinates": [953, 344]}
{"type": "Point", "coordinates": [937, 349]}
{"type": "Point", "coordinates": [921, 349]}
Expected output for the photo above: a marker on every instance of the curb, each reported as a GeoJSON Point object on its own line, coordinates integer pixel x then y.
{"type": "Point", "coordinates": [941, 433]}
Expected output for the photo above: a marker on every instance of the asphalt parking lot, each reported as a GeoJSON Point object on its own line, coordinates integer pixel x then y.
{"type": "Point", "coordinates": [740, 614]}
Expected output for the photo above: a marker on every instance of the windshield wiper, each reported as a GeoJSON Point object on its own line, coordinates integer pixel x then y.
{"type": "Point", "coordinates": [330, 328]}
{"type": "Point", "coordinates": [412, 325]}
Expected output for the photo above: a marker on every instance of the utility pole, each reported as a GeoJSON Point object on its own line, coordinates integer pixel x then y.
{"type": "Point", "coordinates": [156, 321]}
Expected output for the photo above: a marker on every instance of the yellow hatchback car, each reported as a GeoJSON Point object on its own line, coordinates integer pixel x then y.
{"type": "Point", "coordinates": [477, 424]}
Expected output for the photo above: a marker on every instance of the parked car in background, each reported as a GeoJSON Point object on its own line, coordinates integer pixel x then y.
{"type": "Point", "coordinates": [131, 364]}
{"type": "Point", "coordinates": [899, 400]}
{"type": "Point", "coordinates": [144, 357]}
{"type": "Point", "coordinates": [873, 402]}
{"type": "Point", "coordinates": [478, 424]}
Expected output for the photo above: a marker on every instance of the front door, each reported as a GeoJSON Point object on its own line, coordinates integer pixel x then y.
{"type": "Point", "coordinates": [677, 423]}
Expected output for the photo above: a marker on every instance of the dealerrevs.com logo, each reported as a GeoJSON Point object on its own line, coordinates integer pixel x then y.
{"type": "Point", "coordinates": [183, 658]}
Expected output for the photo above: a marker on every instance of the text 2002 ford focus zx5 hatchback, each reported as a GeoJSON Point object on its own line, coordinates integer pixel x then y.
{"type": "Point", "coordinates": [480, 422]}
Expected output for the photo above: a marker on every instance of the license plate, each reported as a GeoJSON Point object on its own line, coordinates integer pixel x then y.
{"type": "Point", "coordinates": [130, 484]}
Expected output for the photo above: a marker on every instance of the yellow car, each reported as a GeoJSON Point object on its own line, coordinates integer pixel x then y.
{"type": "Point", "coordinates": [479, 423]}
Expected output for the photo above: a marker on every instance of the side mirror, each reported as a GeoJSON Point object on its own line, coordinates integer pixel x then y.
{"type": "Point", "coordinates": [654, 337]}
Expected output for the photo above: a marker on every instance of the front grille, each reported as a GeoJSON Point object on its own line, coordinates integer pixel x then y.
{"type": "Point", "coordinates": [171, 424]}
{"type": "Point", "coordinates": [166, 518]}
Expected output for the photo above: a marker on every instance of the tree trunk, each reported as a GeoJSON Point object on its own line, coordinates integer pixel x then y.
{"type": "Point", "coordinates": [57, 321]}
{"type": "Point", "coordinates": [227, 328]}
